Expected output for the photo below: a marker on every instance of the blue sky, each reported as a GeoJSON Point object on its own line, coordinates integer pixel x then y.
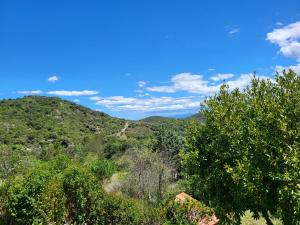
{"type": "Point", "coordinates": [137, 58]}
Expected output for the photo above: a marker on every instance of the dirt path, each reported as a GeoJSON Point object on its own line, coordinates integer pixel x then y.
{"type": "Point", "coordinates": [125, 127]}
{"type": "Point", "coordinates": [122, 132]}
{"type": "Point", "coordinates": [113, 184]}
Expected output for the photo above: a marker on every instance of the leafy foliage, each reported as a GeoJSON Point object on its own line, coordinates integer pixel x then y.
{"type": "Point", "coordinates": [246, 156]}
{"type": "Point", "coordinates": [168, 143]}
{"type": "Point", "coordinates": [103, 168]}
{"type": "Point", "coordinates": [55, 156]}
{"type": "Point", "coordinates": [188, 212]}
{"type": "Point", "coordinates": [62, 191]}
{"type": "Point", "coordinates": [147, 177]}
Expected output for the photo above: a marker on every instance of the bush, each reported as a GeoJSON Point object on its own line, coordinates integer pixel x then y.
{"type": "Point", "coordinates": [189, 212]}
{"type": "Point", "coordinates": [62, 191]}
{"type": "Point", "coordinates": [118, 210]}
{"type": "Point", "coordinates": [103, 168]}
{"type": "Point", "coordinates": [82, 195]}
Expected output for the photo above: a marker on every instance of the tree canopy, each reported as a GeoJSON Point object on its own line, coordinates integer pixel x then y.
{"type": "Point", "coordinates": [246, 155]}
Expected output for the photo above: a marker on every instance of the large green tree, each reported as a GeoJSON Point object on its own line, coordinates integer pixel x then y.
{"type": "Point", "coordinates": [246, 156]}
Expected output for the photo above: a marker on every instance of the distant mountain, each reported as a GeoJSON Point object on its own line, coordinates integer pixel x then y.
{"type": "Point", "coordinates": [161, 119]}
{"type": "Point", "coordinates": [157, 119]}
{"type": "Point", "coordinates": [198, 116]}
{"type": "Point", "coordinates": [176, 124]}
{"type": "Point", "coordinates": [182, 116]}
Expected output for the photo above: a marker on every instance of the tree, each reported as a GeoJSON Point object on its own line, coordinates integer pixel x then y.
{"type": "Point", "coordinates": [83, 195]}
{"type": "Point", "coordinates": [147, 176]}
{"type": "Point", "coordinates": [246, 155]}
{"type": "Point", "coordinates": [168, 143]}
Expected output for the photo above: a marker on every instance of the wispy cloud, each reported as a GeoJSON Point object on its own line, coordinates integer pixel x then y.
{"type": "Point", "coordinates": [187, 82]}
{"type": "Point", "coordinates": [34, 92]}
{"type": "Point", "coordinates": [95, 98]}
{"type": "Point", "coordinates": [194, 83]}
{"type": "Point", "coordinates": [287, 38]}
{"type": "Point", "coordinates": [52, 79]}
{"type": "Point", "coordinates": [234, 31]}
{"type": "Point", "coordinates": [73, 93]}
{"type": "Point", "coordinates": [142, 83]}
{"type": "Point", "coordinates": [295, 68]}
{"type": "Point", "coordinates": [222, 76]}
{"type": "Point", "coordinates": [149, 104]}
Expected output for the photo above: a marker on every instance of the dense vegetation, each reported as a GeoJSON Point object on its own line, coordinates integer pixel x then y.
{"type": "Point", "coordinates": [41, 125]}
{"type": "Point", "coordinates": [61, 163]}
{"type": "Point", "coordinates": [246, 155]}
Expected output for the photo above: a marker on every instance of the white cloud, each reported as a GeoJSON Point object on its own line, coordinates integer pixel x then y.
{"type": "Point", "coordinates": [53, 79]}
{"type": "Point", "coordinates": [222, 76]}
{"type": "Point", "coordinates": [115, 100]}
{"type": "Point", "coordinates": [188, 82]}
{"type": "Point", "coordinates": [73, 93]}
{"type": "Point", "coordinates": [150, 104]}
{"type": "Point", "coordinates": [144, 95]}
{"type": "Point", "coordinates": [95, 98]}
{"type": "Point", "coordinates": [194, 83]}
{"type": "Point", "coordinates": [234, 31]}
{"type": "Point", "coordinates": [295, 68]}
{"type": "Point", "coordinates": [142, 83]}
{"type": "Point", "coordinates": [163, 89]}
{"type": "Point", "coordinates": [35, 92]}
{"type": "Point", "coordinates": [287, 38]}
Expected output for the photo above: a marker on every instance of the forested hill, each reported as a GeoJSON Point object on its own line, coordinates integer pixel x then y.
{"type": "Point", "coordinates": [168, 120]}
{"type": "Point", "coordinates": [39, 125]}
{"type": "Point", "coordinates": [44, 122]}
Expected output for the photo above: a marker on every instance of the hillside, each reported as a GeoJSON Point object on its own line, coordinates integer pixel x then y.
{"type": "Point", "coordinates": [157, 119]}
{"type": "Point", "coordinates": [161, 120]}
{"type": "Point", "coordinates": [63, 159]}
{"type": "Point", "coordinates": [39, 123]}
{"type": "Point", "coordinates": [198, 116]}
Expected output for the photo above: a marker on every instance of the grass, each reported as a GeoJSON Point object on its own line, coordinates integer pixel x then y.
{"type": "Point", "coordinates": [248, 220]}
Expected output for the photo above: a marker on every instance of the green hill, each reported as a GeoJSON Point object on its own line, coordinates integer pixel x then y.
{"type": "Point", "coordinates": [157, 119]}
{"type": "Point", "coordinates": [154, 122]}
{"type": "Point", "coordinates": [160, 120]}
{"type": "Point", "coordinates": [37, 123]}
{"type": "Point", "coordinates": [198, 116]}
{"type": "Point", "coordinates": [40, 125]}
